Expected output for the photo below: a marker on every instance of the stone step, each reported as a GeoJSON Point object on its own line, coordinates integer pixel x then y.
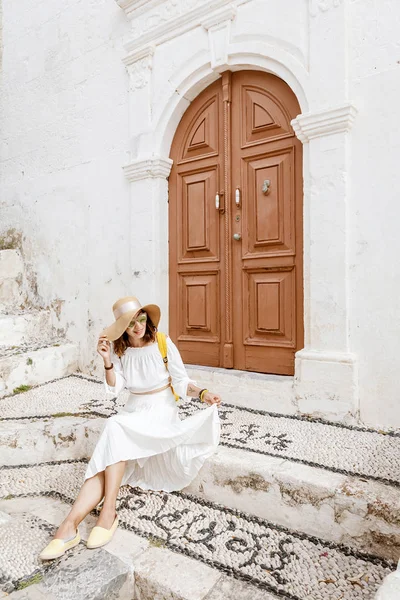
{"type": "Point", "coordinates": [359, 506]}
{"type": "Point", "coordinates": [360, 513]}
{"type": "Point", "coordinates": [28, 365]}
{"type": "Point", "coordinates": [34, 441]}
{"type": "Point", "coordinates": [180, 548]}
{"type": "Point", "coordinates": [156, 570]}
{"type": "Point", "coordinates": [11, 277]}
{"type": "Point", "coordinates": [390, 589]}
{"type": "Point", "coordinates": [338, 508]}
{"type": "Point", "coordinates": [26, 527]}
{"type": "Point", "coordinates": [273, 393]}
{"type": "Point", "coordinates": [25, 327]}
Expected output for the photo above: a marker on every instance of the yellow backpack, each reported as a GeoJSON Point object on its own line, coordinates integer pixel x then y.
{"type": "Point", "coordinates": [162, 345]}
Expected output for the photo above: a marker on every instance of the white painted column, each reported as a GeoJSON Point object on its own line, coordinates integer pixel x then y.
{"type": "Point", "coordinates": [149, 190]}
{"type": "Point", "coordinates": [326, 370]}
{"type": "Point", "coordinates": [149, 233]}
{"type": "Point", "coordinates": [326, 379]}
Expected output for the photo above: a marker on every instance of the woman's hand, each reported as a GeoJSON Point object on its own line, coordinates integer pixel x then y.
{"type": "Point", "coordinates": [104, 349]}
{"type": "Point", "coordinates": [211, 398]}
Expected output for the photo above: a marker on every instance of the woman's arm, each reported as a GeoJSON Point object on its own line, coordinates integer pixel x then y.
{"type": "Point", "coordinates": [104, 349]}
{"type": "Point", "coordinates": [114, 378]}
{"type": "Point", "coordinates": [180, 380]}
{"type": "Point", "coordinates": [193, 391]}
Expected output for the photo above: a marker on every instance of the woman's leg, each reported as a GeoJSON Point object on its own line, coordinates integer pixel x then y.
{"type": "Point", "coordinates": [112, 481]}
{"type": "Point", "coordinates": [88, 498]}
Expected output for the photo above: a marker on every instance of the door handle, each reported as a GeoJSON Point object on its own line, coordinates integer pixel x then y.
{"type": "Point", "coordinates": [219, 205]}
{"type": "Point", "coordinates": [237, 237]}
{"type": "Point", "coordinates": [237, 196]}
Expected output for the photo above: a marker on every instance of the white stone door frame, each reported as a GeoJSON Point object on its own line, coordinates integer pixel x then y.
{"type": "Point", "coordinates": [325, 380]}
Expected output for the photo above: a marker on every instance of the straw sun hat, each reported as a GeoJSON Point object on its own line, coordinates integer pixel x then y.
{"type": "Point", "coordinates": [124, 310]}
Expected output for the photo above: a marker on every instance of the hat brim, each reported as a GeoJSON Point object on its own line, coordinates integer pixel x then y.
{"type": "Point", "coordinates": [115, 330]}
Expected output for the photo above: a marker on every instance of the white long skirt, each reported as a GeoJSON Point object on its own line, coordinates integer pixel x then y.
{"type": "Point", "coordinates": [162, 451]}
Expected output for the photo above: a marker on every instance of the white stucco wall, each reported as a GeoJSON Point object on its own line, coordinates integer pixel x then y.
{"type": "Point", "coordinates": [374, 57]}
{"type": "Point", "coordinates": [74, 114]}
{"type": "Point", "coordinates": [64, 138]}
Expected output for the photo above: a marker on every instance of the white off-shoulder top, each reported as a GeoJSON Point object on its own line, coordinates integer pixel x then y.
{"type": "Point", "coordinates": [143, 370]}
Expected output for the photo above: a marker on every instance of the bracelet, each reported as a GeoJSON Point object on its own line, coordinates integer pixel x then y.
{"type": "Point", "coordinates": [108, 368]}
{"type": "Point", "coordinates": [201, 394]}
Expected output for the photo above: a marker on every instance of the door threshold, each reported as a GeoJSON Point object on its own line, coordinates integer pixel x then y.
{"type": "Point", "coordinates": [259, 391]}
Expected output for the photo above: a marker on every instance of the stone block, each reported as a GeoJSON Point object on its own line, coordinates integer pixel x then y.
{"type": "Point", "coordinates": [32, 592]}
{"type": "Point", "coordinates": [273, 393]}
{"type": "Point", "coordinates": [37, 366]}
{"type": "Point", "coordinates": [335, 507]}
{"type": "Point", "coordinates": [164, 575]}
{"type": "Point", "coordinates": [90, 575]}
{"type": "Point", "coordinates": [23, 328]}
{"type": "Point", "coordinates": [126, 545]}
{"type": "Point", "coordinates": [11, 296]}
{"type": "Point", "coordinates": [390, 589]}
{"type": "Point", "coordinates": [11, 273]}
{"type": "Point", "coordinates": [61, 438]}
{"type": "Point", "coordinates": [228, 587]}
{"type": "Point", "coordinates": [11, 265]}
{"type": "Point", "coordinates": [4, 518]}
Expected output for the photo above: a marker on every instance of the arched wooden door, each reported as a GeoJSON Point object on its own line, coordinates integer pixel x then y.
{"type": "Point", "coordinates": [235, 227]}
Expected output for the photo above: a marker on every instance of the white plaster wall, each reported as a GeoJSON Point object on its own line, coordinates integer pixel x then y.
{"type": "Point", "coordinates": [375, 209]}
{"type": "Point", "coordinates": [64, 139]}
{"type": "Point", "coordinates": [72, 117]}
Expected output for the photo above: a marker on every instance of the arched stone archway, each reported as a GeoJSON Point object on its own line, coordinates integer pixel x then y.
{"type": "Point", "coordinates": [325, 379]}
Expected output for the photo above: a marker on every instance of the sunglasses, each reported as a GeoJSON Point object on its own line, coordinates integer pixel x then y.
{"type": "Point", "coordinates": [141, 319]}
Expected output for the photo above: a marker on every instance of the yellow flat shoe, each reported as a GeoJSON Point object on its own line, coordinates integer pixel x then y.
{"type": "Point", "coordinates": [57, 547]}
{"type": "Point", "coordinates": [99, 536]}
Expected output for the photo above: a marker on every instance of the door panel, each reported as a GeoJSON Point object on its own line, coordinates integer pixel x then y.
{"type": "Point", "coordinates": [199, 231]}
{"type": "Point", "coordinates": [269, 318]}
{"type": "Point", "coordinates": [267, 211]}
{"type": "Point", "coordinates": [201, 138]}
{"type": "Point", "coordinates": [200, 315]}
{"type": "Point", "coordinates": [237, 134]}
{"type": "Point", "coordinates": [268, 310]}
{"type": "Point", "coordinates": [195, 231]}
{"type": "Point", "coordinates": [263, 118]}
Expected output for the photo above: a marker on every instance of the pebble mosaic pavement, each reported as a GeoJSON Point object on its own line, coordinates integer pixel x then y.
{"type": "Point", "coordinates": [339, 448]}
{"type": "Point", "coordinates": [291, 565]}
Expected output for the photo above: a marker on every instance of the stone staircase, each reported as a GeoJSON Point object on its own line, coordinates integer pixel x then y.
{"type": "Point", "coordinates": [283, 497]}
{"type": "Point", "coordinates": [31, 351]}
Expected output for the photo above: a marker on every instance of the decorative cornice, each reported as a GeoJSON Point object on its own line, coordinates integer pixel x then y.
{"type": "Point", "coordinates": [324, 122]}
{"type": "Point", "coordinates": [139, 65]}
{"type": "Point", "coordinates": [129, 4]}
{"type": "Point", "coordinates": [225, 14]}
{"type": "Point", "coordinates": [133, 57]}
{"type": "Point", "coordinates": [316, 6]}
{"type": "Point", "coordinates": [326, 356]}
{"type": "Point", "coordinates": [145, 168]}
{"type": "Point", "coordinates": [171, 18]}
{"type": "Point", "coordinates": [133, 8]}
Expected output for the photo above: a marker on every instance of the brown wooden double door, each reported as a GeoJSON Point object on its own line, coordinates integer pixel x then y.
{"type": "Point", "coordinates": [235, 227]}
